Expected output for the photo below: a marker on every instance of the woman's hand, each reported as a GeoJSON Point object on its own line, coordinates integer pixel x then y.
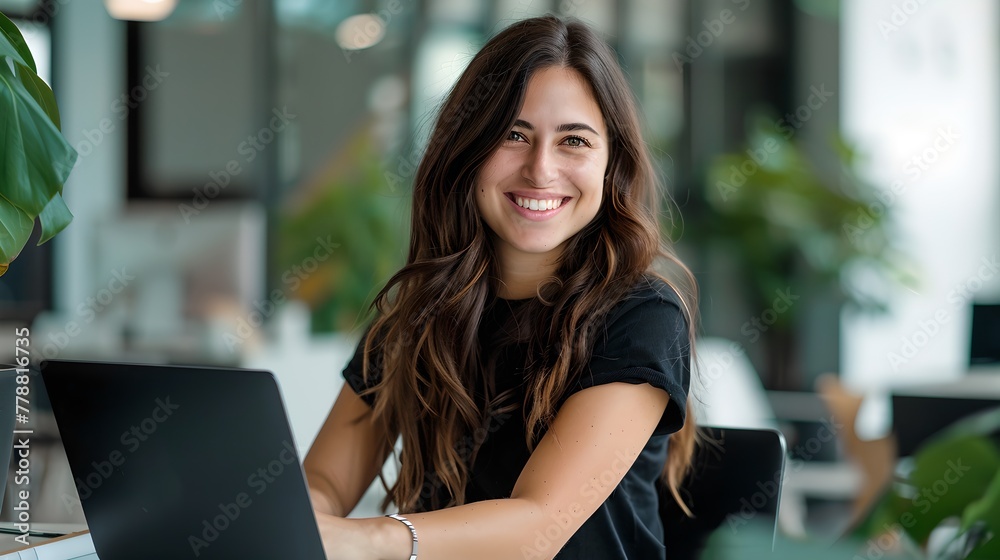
{"type": "Point", "coordinates": [377, 538]}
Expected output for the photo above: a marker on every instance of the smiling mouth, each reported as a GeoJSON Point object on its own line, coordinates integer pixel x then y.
{"type": "Point", "coordinates": [537, 204]}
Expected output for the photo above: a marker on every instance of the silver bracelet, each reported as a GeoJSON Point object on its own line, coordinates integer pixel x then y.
{"type": "Point", "coordinates": [413, 531]}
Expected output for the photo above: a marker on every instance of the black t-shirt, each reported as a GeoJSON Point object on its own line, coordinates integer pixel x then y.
{"type": "Point", "coordinates": [644, 340]}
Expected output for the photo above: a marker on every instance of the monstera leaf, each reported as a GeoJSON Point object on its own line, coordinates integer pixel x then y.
{"type": "Point", "coordinates": [35, 159]}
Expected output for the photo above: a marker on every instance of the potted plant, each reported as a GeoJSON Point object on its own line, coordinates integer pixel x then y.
{"type": "Point", "coordinates": [354, 204]}
{"type": "Point", "coordinates": [789, 228]}
{"type": "Point", "coordinates": [952, 488]}
{"type": "Point", "coordinates": [35, 159]}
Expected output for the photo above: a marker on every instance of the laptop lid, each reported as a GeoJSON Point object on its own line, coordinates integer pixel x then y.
{"type": "Point", "coordinates": [182, 462]}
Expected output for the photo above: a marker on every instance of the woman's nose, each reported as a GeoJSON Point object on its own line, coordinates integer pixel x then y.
{"type": "Point", "coordinates": [541, 168]}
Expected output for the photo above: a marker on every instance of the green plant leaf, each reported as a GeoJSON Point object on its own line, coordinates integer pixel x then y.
{"type": "Point", "coordinates": [35, 159]}
{"type": "Point", "coordinates": [985, 511]}
{"type": "Point", "coordinates": [54, 218]}
{"type": "Point", "coordinates": [985, 507]}
{"type": "Point", "coordinates": [15, 228]}
{"type": "Point", "coordinates": [12, 44]}
{"type": "Point", "coordinates": [949, 474]}
{"type": "Point", "coordinates": [785, 223]}
{"type": "Point", "coordinates": [41, 93]}
{"type": "Point", "coordinates": [974, 497]}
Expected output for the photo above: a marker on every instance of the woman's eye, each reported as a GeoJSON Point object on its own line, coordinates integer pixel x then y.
{"type": "Point", "coordinates": [515, 136]}
{"type": "Point", "coordinates": [576, 142]}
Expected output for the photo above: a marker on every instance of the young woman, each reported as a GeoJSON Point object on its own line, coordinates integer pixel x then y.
{"type": "Point", "coordinates": [528, 357]}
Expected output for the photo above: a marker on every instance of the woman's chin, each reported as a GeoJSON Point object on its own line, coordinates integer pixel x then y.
{"type": "Point", "coordinates": [535, 247]}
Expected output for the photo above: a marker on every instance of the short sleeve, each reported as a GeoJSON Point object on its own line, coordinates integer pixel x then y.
{"type": "Point", "coordinates": [645, 341]}
{"type": "Point", "coordinates": [354, 372]}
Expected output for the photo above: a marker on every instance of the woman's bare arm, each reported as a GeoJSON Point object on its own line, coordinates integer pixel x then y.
{"type": "Point", "coordinates": [593, 441]}
{"type": "Point", "coordinates": [345, 457]}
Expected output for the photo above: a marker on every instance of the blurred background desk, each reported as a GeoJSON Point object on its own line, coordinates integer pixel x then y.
{"type": "Point", "coordinates": [920, 411]}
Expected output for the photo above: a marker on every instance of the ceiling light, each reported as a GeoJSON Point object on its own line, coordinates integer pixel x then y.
{"type": "Point", "coordinates": [140, 10]}
{"type": "Point", "coordinates": [360, 31]}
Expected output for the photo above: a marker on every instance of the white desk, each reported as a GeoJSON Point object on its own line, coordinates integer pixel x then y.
{"type": "Point", "coordinates": [74, 546]}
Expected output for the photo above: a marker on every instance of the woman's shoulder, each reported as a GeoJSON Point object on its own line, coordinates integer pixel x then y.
{"type": "Point", "coordinates": [650, 304]}
{"type": "Point", "coordinates": [650, 291]}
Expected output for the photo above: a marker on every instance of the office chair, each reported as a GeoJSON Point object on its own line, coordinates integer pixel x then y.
{"type": "Point", "coordinates": [734, 485]}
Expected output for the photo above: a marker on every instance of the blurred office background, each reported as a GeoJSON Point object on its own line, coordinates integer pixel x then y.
{"type": "Point", "coordinates": [245, 167]}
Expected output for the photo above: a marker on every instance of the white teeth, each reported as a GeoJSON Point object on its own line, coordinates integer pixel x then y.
{"type": "Point", "coordinates": [538, 205]}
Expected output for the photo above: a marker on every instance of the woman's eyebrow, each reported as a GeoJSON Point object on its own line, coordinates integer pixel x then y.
{"type": "Point", "coordinates": [561, 128]}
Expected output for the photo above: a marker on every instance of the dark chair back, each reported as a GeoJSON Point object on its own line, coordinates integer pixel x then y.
{"type": "Point", "coordinates": [734, 485]}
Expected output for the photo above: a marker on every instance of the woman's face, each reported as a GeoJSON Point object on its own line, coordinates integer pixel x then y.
{"type": "Point", "coordinates": [545, 181]}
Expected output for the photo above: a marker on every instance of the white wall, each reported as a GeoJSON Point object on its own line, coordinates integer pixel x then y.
{"type": "Point", "coordinates": [919, 79]}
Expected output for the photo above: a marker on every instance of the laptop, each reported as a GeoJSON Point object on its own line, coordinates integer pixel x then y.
{"type": "Point", "coordinates": [182, 462]}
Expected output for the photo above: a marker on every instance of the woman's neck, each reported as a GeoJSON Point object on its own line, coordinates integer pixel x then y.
{"type": "Point", "coordinates": [521, 273]}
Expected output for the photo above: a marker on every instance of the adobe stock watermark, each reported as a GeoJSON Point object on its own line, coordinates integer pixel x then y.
{"type": "Point", "coordinates": [495, 421]}
{"type": "Point", "coordinates": [562, 521]}
{"type": "Point", "coordinates": [928, 328]}
{"type": "Point", "coordinates": [570, 7]}
{"type": "Point", "coordinates": [750, 506]}
{"type": "Point", "coordinates": [406, 165]}
{"type": "Point", "coordinates": [695, 46]}
{"type": "Point", "coordinates": [754, 328]}
{"type": "Point", "coordinates": [827, 432]}
{"type": "Point", "coordinates": [757, 326]}
{"type": "Point", "coordinates": [758, 157]}
{"type": "Point", "coordinates": [249, 149]}
{"type": "Point", "coordinates": [46, 10]}
{"type": "Point", "coordinates": [121, 106]}
{"type": "Point", "coordinates": [291, 281]}
{"type": "Point", "coordinates": [714, 371]}
{"type": "Point", "coordinates": [888, 540]}
{"type": "Point", "coordinates": [87, 311]}
{"type": "Point", "coordinates": [223, 8]}
{"type": "Point", "coordinates": [131, 440]}
{"type": "Point", "coordinates": [793, 121]}
{"type": "Point", "coordinates": [900, 16]}
{"type": "Point", "coordinates": [916, 166]}
{"type": "Point", "coordinates": [258, 482]}
{"type": "Point", "coordinates": [768, 489]}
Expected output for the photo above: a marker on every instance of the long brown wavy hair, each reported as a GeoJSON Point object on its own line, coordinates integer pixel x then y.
{"type": "Point", "coordinates": [423, 340]}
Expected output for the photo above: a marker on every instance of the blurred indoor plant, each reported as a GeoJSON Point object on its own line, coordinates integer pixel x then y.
{"type": "Point", "coordinates": [952, 485]}
{"type": "Point", "coordinates": [35, 159]}
{"type": "Point", "coordinates": [788, 226]}
{"type": "Point", "coordinates": [353, 205]}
